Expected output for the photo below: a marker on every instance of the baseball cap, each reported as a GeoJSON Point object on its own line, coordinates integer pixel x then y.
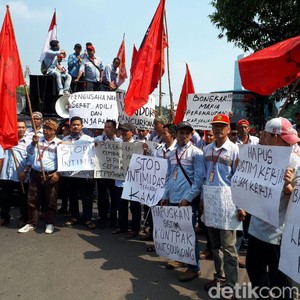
{"type": "Point", "coordinates": [127, 126]}
{"type": "Point", "coordinates": [91, 47]}
{"type": "Point", "coordinates": [284, 128]}
{"type": "Point", "coordinates": [243, 122]}
{"type": "Point", "coordinates": [184, 124]}
{"type": "Point", "coordinates": [220, 118]}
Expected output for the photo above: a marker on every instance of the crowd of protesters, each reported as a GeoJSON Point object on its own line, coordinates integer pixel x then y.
{"type": "Point", "coordinates": [195, 158]}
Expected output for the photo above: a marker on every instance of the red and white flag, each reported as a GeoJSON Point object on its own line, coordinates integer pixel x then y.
{"type": "Point", "coordinates": [122, 67]}
{"type": "Point", "coordinates": [52, 35]}
{"type": "Point", "coordinates": [11, 76]}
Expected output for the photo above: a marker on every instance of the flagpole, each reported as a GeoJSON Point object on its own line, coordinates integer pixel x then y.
{"type": "Point", "coordinates": [172, 113]}
{"type": "Point", "coordinates": [160, 82]}
{"type": "Point", "coordinates": [27, 98]}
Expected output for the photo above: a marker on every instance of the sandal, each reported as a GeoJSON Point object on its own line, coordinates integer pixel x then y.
{"type": "Point", "coordinates": [90, 225]}
{"type": "Point", "coordinates": [71, 223]}
{"type": "Point", "coordinates": [150, 249]}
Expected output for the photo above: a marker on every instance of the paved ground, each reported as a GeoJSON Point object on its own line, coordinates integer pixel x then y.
{"type": "Point", "coordinates": [75, 263]}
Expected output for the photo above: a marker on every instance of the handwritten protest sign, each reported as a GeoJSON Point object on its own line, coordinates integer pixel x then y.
{"type": "Point", "coordinates": [173, 233]}
{"type": "Point", "coordinates": [145, 179]}
{"type": "Point", "coordinates": [201, 108]}
{"type": "Point", "coordinates": [93, 107]}
{"type": "Point", "coordinates": [258, 181]}
{"type": "Point", "coordinates": [112, 158]}
{"type": "Point", "coordinates": [289, 262]}
{"type": "Point", "coordinates": [219, 209]}
{"type": "Point", "coordinates": [152, 148]}
{"type": "Point", "coordinates": [75, 157]}
{"type": "Point", "coordinates": [143, 118]}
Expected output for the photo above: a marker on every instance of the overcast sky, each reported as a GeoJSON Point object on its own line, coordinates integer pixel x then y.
{"type": "Point", "coordinates": [192, 37]}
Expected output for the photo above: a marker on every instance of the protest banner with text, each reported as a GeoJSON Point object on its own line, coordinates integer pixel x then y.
{"type": "Point", "coordinates": [219, 209]}
{"type": "Point", "coordinates": [143, 118]}
{"type": "Point", "coordinates": [93, 107]}
{"type": "Point", "coordinates": [289, 262]}
{"type": "Point", "coordinates": [173, 233]}
{"type": "Point", "coordinates": [258, 181]}
{"type": "Point", "coordinates": [112, 158]}
{"type": "Point", "coordinates": [201, 108]}
{"type": "Point", "coordinates": [75, 157]}
{"type": "Point", "coordinates": [145, 179]}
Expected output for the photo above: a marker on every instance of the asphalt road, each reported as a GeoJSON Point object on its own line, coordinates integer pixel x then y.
{"type": "Point", "coordinates": [75, 263]}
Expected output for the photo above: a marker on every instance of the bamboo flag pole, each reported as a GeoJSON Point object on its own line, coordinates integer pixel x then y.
{"type": "Point", "coordinates": [172, 112]}
{"type": "Point", "coordinates": [160, 82]}
{"type": "Point", "coordinates": [17, 166]}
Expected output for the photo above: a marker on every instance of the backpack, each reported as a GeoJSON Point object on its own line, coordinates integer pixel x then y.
{"type": "Point", "coordinates": [44, 68]}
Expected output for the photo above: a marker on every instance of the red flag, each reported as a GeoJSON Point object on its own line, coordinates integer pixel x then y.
{"type": "Point", "coordinates": [11, 76]}
{"type": "Point", "coordinates": [133, 59]}
{"type": "Point", "coordinates": [51, 35]}
{"type": "Point", "coordinates": [276, 66]}
{"type": "Point", "coordinates": [187, 88]}
{"type": "Point", "coordinates": [122, 67]}
{"type": "Point", "coordinates": [146, 72]}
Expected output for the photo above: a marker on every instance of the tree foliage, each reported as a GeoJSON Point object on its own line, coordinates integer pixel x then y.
{"type": "Point", "coordinates": [256, 24]}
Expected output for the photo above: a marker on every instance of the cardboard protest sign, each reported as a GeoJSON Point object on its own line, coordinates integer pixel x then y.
{"type": "Point", "coordinates": [289, 262]}
{"type": "Point", "coordinates": [143, 118]}
{"type": "Point", "coordinates": [201, 108]}
{"type": "Point", "coordinates": [93, 107]}
{"type": "Point", "coordinates": [145, 179]}
{"type": "Point", "coordinates": [219, 209]}
{"type": "Point", "coordinates": [112, 158]}
{"type": "Point", "coordinates": [75, 157]}
{"type": "Point", "coordinates": [173, 233]}
{"type": "Point", "coordinates": [258, 181]}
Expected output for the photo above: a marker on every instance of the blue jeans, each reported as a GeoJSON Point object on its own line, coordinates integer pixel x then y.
{"type": "Point", "coordinates": [63, 80]}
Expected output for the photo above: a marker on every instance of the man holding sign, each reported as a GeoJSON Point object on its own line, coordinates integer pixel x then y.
{"type": "Point", "coordinates": [264, 241]}
{"type": "Point", "coordinates": [184, 181]}
{"type": "Point", "coordinates": [220, 159]}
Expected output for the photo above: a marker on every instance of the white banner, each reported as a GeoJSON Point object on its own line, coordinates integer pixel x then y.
{"type": "Point", "coordinates": [258, 181]}
{"type": "Point", "coordinates": [93, 107]}
{"type": "Point", "coordinates": [145, 179]}
{"type": "Point", "coordinates": [201, 108]}
{"type": "Point", "coordinates": [112, 158]}
{"type": "Point", "coordinates": [289, 262]}
{"type": "Point", "coordinates": [173, 233]}
{"type": "Point", "coordinates": [143, 118]}
{"type": "Point", "coordinates": [219, 209]}
{"type": "Point", "coordinates": [75, 157]}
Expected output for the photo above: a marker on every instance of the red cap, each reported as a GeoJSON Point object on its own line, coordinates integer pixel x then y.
{"type": "Point", "coordinates": [243, 122]}
{"type": "Point", "coordinates": [91, 47]}
{"type": "Point", "coordinates": [220, 118]}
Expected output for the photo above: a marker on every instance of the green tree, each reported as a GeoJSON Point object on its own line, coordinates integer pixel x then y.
{"type": "Point", "coordinates": [256, 24]}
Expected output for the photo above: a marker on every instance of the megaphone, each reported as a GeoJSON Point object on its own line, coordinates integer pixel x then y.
{"type": "Point", "coordinates": [21, 103]}
{"type": "Point", "coordinates": [62, 106]}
